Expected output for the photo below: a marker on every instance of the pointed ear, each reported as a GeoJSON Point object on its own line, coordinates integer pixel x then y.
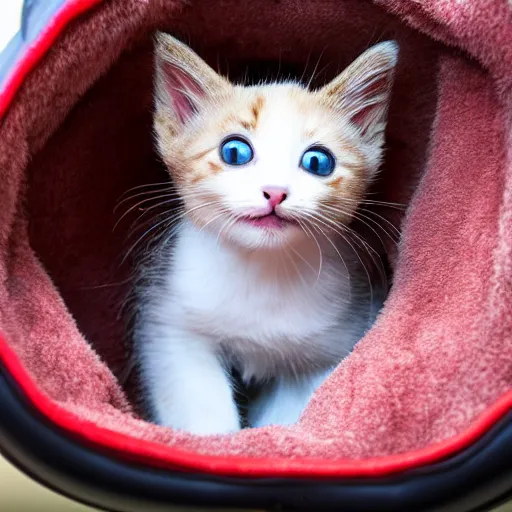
{"type": "Point", "coordinates": [362, 91]}
{"type": "Point", "coordinates": [182, 78]}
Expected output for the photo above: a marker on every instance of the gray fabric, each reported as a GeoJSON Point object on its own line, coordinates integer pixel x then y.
{"type": "Point", "coordinates": [37, 14]}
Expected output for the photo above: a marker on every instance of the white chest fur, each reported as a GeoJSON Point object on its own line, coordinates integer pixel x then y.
{"type": "Point", "coordinates": [268, 311]}
{"type": "Point", "coordinates": [273, 315]}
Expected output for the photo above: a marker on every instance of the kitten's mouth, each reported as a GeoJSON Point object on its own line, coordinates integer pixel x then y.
{"type": "Point", "coordinates": [269, 221]}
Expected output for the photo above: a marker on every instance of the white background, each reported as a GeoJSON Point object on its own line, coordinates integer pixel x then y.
{"type": "Point", "coordinates": [10, 20]}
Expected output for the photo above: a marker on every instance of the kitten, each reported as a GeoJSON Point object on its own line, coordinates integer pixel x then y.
{"type": "Point", "coordinates": [261, 275]}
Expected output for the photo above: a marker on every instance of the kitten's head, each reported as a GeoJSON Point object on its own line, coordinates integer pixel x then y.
{"type": "Point", "coordinates": [265, 165]}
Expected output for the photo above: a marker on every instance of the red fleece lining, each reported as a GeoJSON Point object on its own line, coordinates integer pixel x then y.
{"type": "Point", "coordinates": [168, 457]}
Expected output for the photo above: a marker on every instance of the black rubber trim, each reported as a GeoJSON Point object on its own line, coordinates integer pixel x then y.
{"type": "Point", "coordinates": [476, 479]}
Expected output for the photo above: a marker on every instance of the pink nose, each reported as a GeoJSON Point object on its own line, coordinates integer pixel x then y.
{"type": "Point", "coordinates": [275, 195]}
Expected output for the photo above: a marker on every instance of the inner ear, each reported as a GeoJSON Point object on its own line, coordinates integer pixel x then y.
{"type": "Point", "coordinates": [363, 90]}
{"type": "Point", "coordinates": [182, 78]}
{"type": "Point", "coordinates": [184, 93]}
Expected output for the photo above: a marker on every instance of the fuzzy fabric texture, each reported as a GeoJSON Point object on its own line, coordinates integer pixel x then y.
{"type": "Point", "coordinates": [78, 136]}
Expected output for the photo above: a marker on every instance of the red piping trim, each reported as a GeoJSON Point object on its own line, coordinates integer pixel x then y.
{"type": "Point", "coordinates": [159, 455]}
{"type": "Point", "coordinates": [170, 457]}
{"type": "Point", "coordinates": [40, 46]}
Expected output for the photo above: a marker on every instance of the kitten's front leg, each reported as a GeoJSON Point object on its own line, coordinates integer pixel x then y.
{"type": "Point", "coordinates": [187, 385]}
{"type": "Point", "coordinates": [283, 401]}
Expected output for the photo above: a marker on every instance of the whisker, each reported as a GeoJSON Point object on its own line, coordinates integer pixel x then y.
{"type": "Point", "coordinates": [140, 194]}
{"type": "Point", "coordinates": [180, 213]}
{"type": "Point", "coordinates": [212, 219]}
{"type": "Point", "coordinates": [313, 73]}
{"type": "Point", "coordinates": [391, 225]}
{"type": "Point", "coordinates": [341, 258]}
{"type": "Point", "coordinates": [315, 219]}
{"type": "Point", "coordinates": [138, 205]}
{"type": "Point", "coordinates": [297, 270]}
{"type": "Point", "coordinates": [105, 285]}
{"type": "Point", "coordinates": [316, 216]}
{"type": "Point", "coordinates": [354, 214]}
{"type": "Point", "coordinates": [142, 237]}
{"type": "Point", "coordinates": [172, 216]}
{"type": "Point", "coordinates": [394, 236]}
{"type": "Point", "coordinates": [299, 255]}
{"type": "Point", "coordinates": [365, 269]}
{"type": "Point", "coordinates": [365, 245]}
{"type": "Point", "coordinates": [360, 217]}
{"type": "Point", "coordinates": [320, 254]}
{"type": "Point", "coordinates": [135, 224]}
{"type": "Point", "coordinates": [146, 185]}
{"type": "Point", "coordinates": [398, 206]}
{"type": "Point", "coordinates": [301, 79]}
{"type": "Point", "coordinates": [378, 264]}
{"type": "Point", "coordinates": [227, 224]}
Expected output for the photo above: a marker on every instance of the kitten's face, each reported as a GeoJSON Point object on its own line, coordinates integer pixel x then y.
{"type": "Point", "coordinates": [265, 166]}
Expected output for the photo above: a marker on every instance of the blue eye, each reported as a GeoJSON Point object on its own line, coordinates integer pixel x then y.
{"type": "Point", "coordinates": [236, 151]}
{"type": "Point", "coordinates": [318, 161]}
